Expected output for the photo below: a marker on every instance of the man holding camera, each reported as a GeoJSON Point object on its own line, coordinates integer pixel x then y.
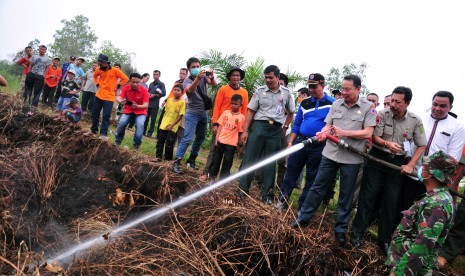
{"type": "Point", "coordinates": [195, 87]}
{"type": "Point", "coordinates": [136, 102]}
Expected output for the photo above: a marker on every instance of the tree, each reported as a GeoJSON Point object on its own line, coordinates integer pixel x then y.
{"type": "Point", "coordinates": [116, 55]}
{"type": "Point", "coordinates": [336, 75]}
{"type": "Point", "coordinates": [76, 38]}
{"type": "Point", "coordinates": [254, 77]}
{"type": "Point", "coordinates": [295, 79]}
{"type": "Point", "coordinates": [221, 64]}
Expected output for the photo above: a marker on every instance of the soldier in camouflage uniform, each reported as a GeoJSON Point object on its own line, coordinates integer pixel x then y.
{"type": "Point", "coordinates": [424, 228]}
{"type": "Point", "coordinates": [455, 241]}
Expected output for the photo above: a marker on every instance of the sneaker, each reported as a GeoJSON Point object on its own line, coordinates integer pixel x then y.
{"type": "Point", "coordinates": [118, 143]}
{"type": "Point", "coordinates": [177, 166]}
{"type": "Point", "coordinates": [157, 160]}
{"type": "Point", "coordinates": [191, 164]}
{"type": "Point", "coordinates": [30, 113]}
{"type": "Point", "coordinates": [89, 133]}
{"type": "Point", "coordinates": [136, 147]}
{"type": "Point", "coordinates": [103, 137]}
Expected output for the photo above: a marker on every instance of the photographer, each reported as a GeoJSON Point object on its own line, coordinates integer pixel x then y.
{"type": "Point", "coordinates": [136, 101]}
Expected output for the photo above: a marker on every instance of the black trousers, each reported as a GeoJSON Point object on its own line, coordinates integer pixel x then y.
{"type": "Point", "coordinates": [223, 156]}
{"type": "Point", "coordinates": [456, 239]}
{"type": "Point", "coordinates": [34, 83]}
{"type": "Point", "coordinates": [48, 94]}
{"type": "Point", "coordinates": [152, 113]}
{"type": "Point", "coordinates": [87, 100]}
{"type": "Point", "coordinates": [166, 139]}
{"type": "Point", "coordinates": [379, 182]}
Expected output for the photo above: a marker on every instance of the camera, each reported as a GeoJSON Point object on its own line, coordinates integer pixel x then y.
{"type": "Point", "coordinates": [128, 103]}
{"type": "Point", "coordinates": [208, 73]}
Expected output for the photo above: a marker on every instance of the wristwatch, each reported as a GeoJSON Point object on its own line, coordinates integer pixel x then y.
{"type": "Point", "coordinates": [285, 126]}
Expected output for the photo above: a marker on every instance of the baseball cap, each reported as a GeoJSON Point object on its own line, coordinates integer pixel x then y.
{"type": "Point", "coordinates": [72, 58]}
{"type": "Point", "coordinates": [81, 58]}
{"type": "Point", "coordinates": [441, 165]}
{"type": "Point", "coordinates": [316, 78]}
{"type": "Point", "coordinates": [72, 71]}
{"type": "Point", "coordinates": [56, 58]}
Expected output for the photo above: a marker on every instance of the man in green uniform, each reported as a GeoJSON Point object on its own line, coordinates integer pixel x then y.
{"type": "Point", "coordinates": [396, 131]}
{"type": "Point", "coordinates": [264, 127]}
{"type": "Point", "coordinates": [423, 230]}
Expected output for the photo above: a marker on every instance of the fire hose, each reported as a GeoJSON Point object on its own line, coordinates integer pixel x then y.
{"type": "Point", "coordinates": [342, 144]}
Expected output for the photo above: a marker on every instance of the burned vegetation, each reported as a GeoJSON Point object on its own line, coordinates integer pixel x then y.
{"type": "Point", "coordinates": [59, 188]}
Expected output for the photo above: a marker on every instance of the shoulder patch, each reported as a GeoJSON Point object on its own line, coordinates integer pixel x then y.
{"type": "Point", "coordinates": [422, 128]}
{"type": "Point", "coordinates": [373, 109]}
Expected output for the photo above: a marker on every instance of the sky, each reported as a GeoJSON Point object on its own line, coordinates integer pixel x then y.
{"type": "Point", "coordinates": [418, 44]}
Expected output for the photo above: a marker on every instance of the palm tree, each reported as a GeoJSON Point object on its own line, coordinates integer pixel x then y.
{"type": "Point", "coordinates": [254, 75]}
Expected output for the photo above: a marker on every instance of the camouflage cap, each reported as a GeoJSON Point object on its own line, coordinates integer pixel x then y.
{"type": "Point", "coordinates": [441, 165]}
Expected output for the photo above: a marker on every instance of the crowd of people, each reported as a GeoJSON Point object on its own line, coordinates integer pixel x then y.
{"type": "Point", "coordinates": [409, 199]}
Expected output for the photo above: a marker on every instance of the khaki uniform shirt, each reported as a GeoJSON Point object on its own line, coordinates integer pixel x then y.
{"type": "Point", "coordinates": [271, 106]}
{"type": "Point", "coordinates": [408, 129]}
{"type": "Point", "coordinates": [357, 117]}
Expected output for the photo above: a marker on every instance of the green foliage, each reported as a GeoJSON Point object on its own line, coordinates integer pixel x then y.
{"type": "Point", "coordinates": [13, 82]}
{"type": "Point", "coordinates": [21, 52]}
{"type": "Point", "coordinates": [336, 75]}
{"type": "Point", "coordinates": [223, 63]}
{"type": "Point", "coordinates": [295, 79]}
{"type": "Point", "coordinates": [254, 75]}
{"type": "Point", "coordinates": [116, 55]}
{"type": "Point", "coordinates": [75, 38]}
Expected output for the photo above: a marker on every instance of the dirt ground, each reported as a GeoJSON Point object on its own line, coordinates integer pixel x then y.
{"type": "Point", "coordinates": [59, 188]}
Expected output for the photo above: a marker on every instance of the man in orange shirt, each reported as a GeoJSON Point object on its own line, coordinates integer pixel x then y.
{"type": "Point", "coordinates": [52, 77]}
{"type": "Point", "coordinates": [223, 103]}
{"type": "Point", "coordinates": [105, 78]}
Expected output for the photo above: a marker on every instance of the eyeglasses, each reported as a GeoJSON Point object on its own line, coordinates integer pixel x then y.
{"type": "Point", "coordinates": [346, 89]}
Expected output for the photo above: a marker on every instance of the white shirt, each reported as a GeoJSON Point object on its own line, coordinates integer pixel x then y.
{"type": "Point", "coordinates": [448, 137]}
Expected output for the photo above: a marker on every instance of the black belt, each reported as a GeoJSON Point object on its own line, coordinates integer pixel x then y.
{"type": "Point", "coordinates": [270, 122]}
{"type": "Point", "coordinates": [387, 154]}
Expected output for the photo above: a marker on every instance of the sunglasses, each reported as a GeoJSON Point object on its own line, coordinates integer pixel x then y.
{"type": "Point", "coordinates": [312, 86]}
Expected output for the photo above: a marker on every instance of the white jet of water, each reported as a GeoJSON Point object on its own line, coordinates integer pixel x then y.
{"type": "Point", "coordinates": [179, 202]}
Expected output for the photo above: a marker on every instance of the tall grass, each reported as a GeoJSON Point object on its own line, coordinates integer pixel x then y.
{"type": "Point", "coordinates": [13, 82]}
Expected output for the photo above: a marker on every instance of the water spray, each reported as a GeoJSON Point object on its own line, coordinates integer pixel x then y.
{"type": "Point", "coordinates": [72, 251]}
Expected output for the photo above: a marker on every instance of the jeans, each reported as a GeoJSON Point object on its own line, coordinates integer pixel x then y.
{"type": "Point", "coordinates": [87, 100]}
{"type": "Point", "coordinates": [326, 172]}
{"type": "Point", "coordinates": [72, 117]}
{"type": "Point", "coordinates": [166, 139]}
{"type": "Point", "coordinates": [34, 83]}
{"type": "Point", "coordinates": [124, 121]}
{"type": "Point", "coordinates": [48, 94]}
{"type": "Point", "coordinates": [152, 116]}
{"type": "Point", "coordinates": [195, 124]}
{"type": "Point", "coordinates": [62, 102]}
{"type": "Point", "coordinates": [310, 157]}
{"type": "Point", "coordinates": [224, 156]}
{"type": "Point", "coordinates": [100, 105]}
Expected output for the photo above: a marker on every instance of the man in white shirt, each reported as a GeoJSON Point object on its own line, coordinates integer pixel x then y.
{"type": "Point", "coordinates": [443, 132]}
